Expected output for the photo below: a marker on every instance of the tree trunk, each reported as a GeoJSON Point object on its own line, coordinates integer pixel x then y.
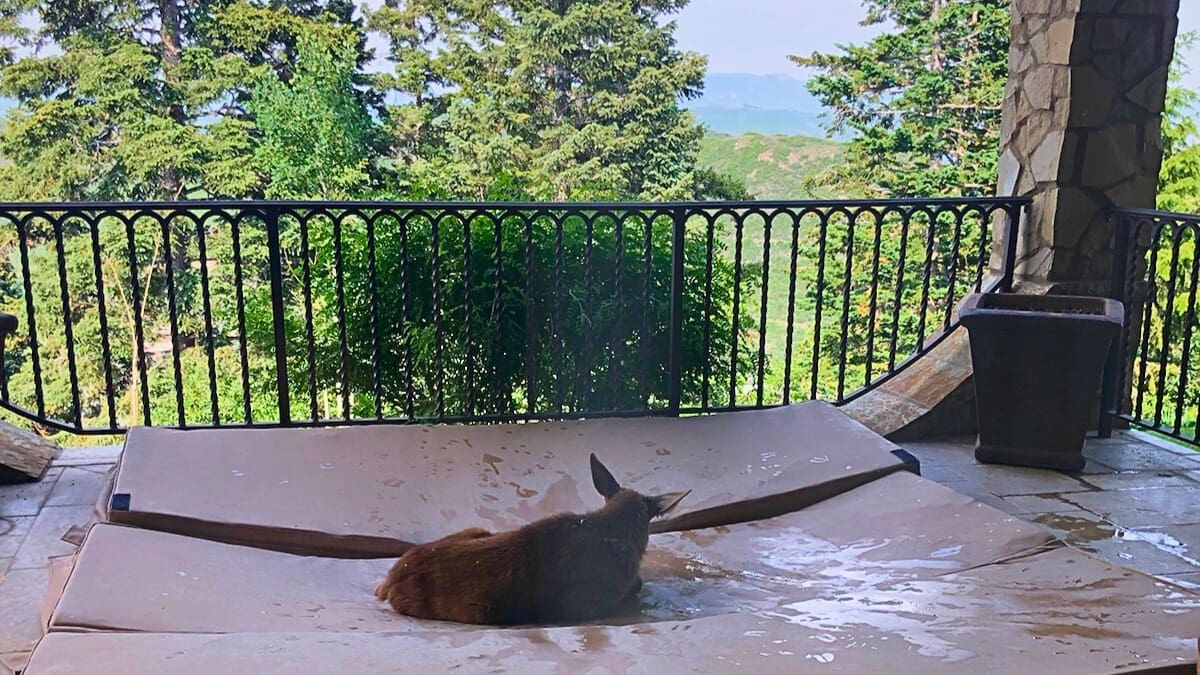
{"type": "Point", "coordinates": [172, 182]}
{"type": "Point", "coordinates": [562, 77]}
{"type": "Point", "coordinates": [937, 40]}
{"type": "Point", "coordinates": [169, 32]}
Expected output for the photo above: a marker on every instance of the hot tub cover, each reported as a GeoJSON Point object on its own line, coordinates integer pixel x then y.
{"type": "Point", "coordinates": [375, 491]}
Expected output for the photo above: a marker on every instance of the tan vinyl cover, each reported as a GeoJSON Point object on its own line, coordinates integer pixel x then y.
{"type": "Point", "coordinates": [1059, 611]}
{"type": "Point", "coordinates": [374, 491]}
{"type": "Point", "coordinates": [904, 527]}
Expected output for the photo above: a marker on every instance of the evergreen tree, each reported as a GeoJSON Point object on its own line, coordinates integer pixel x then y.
{"type": "Point", "coordinates": [559, 99]}
{"type": "Point", "coordinates": [923, 100]}
{"type": "Point", "coordinates": [182, 99]}
{"type": "Point", "coordinates": [137, 100]}
{"type": "Point", "coordinates": [146, 99]}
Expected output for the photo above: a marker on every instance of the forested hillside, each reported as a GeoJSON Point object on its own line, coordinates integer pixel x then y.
{"type": "Point", "coordinates": [772, 166]}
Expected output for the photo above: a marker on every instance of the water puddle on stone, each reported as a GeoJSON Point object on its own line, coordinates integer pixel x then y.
{"type": "Point", "coordinates": [1160, 540]}
{"type": "Point", "coordinates": [1085, 531]}
{"type": "Point", "coordinates": [1077, 530]}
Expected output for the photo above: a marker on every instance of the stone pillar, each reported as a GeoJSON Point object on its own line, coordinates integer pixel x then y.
{"type": "Point", "coordinates": [1081, 131]}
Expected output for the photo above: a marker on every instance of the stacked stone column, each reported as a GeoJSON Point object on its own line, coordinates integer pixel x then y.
{"type": "Point", "coordinates": [1081, 130]}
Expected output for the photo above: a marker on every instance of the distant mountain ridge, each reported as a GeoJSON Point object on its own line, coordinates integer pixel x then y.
{"type": "Point", "coordinates": [737, 120]}
{"type": "Point", "coordinates": [740, 103]}
{"type": "Point", "coordinates": [773, 92]}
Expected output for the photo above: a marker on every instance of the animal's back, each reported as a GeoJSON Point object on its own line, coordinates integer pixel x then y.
{"type": "Point", "coordinates": [554, 570]}
{"type": "Point", "coordinates": [564, 568]}
{"type": "Point", "coordinates": [468, 581]}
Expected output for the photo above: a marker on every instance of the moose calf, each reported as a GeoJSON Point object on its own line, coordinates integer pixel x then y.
{"type": "Point", "coordinates": [562, 569]}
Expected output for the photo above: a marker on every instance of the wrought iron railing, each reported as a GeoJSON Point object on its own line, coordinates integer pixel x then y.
{"type": "Point", "coordinates": [195, 314]}
{"type": "Point", "coordinates": [1153, 376]}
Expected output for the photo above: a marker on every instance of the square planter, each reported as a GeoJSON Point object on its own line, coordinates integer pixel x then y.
{"type": "Point", "coordinates": [1038, 363]}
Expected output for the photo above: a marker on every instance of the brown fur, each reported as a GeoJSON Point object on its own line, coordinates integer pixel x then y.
{"type": "Point", "coordinates": [565, 568]}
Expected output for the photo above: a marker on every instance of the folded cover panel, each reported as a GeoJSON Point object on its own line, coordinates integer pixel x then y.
{"type": "Point", "coordinates": [375, 491]}
{"type": "Point", "coordinates": [894, 530]}
{"type": "Point", "coordinates": [1057, 611]}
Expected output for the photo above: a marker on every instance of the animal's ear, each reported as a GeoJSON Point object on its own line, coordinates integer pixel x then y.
{"type": "Point", "coordinates": [660, 504]}
{"type": "Point", "coordinates": [605, 484]}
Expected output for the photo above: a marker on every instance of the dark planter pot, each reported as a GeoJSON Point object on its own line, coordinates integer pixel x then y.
{"type": "Point", "coordinates": [1038, 363]}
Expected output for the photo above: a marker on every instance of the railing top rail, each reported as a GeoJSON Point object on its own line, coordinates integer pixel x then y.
{"type": "Point", "coordinates": [269, 205]}
{"type": "Point", "coordinates": [1155, 213]}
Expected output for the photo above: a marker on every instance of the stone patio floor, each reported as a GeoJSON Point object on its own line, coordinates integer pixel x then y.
{"type": "Point", "coordinates": [1137, 503]}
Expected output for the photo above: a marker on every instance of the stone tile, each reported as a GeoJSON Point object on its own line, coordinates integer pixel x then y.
{"type": "Point", "coordinates": [940, 473]}
{"type": "Point", "coordinates": [24, 499]}
{"type": "Point", "coordinates": [1119, 436]}
{"type": "Point", "coordinates": [21, 595]}
{"type": "Point", "coordinates": [980, 494]}
{"type": "Point", "coordinates": [12, 533]}
{"type": "Point", "coordinates": [1091, 468]}
{"type": "Point", "coordinates": [1142, 555]}
{"type": "Point", "coordinates": [1183, 538]}
{"type": "Point", "coordinates": [1150, 507]}
{"type": "Point", "coordinates": [1159, 442]}
{"type": "Point", "coordinates": [96, 454]}
{"type": "Point", "coordinates": [943, 453]}
{"type": "Point", "coordinates": [1079, 527]}
{"type": "Point", "coordinates": [1137, 456]}
{"type": "Point", "coordinates": [76, 487]}
{"type": "Point", "coordinates": [1131, 480]}
{"type": "Point", "coordinates": [1005, 480]}
{"type": "Point", "coordinates": [45, 537]}
{"type": "Point", "coordinates": [1039, 504]}
{"type": "Point", "coordinates": [101, 469]}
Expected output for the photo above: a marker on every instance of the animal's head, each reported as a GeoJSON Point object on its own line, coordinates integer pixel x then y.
{"type": "Point", "coordinates": [609, 488]}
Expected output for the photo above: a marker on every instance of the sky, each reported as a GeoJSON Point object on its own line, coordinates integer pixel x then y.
{"type": "Point", "coordinates": [756, 36]}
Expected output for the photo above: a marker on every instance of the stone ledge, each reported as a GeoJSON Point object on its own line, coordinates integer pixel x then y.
{"type": "Point", "coordinates": [24, 456]}
{"type": "Point", "coordinates": [923, 398]}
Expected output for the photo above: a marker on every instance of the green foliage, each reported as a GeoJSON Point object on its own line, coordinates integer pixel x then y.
{"type": "Point", "coordinates": [147, 99]}
{"type": "Point", "coordinates": [924, 98]}
{"type": "Point", "coordinates": [481, 334]}
{"type": "Point", "coordinates": [1179, 178]}
{"type": "Point", "coordinates": [141, 100]}
{"type": "Point", "coordinates": [772, 167]}
{"type": "Point", "coordinates": [569, 100]}
{"type": "Point", "coordinates": [317, 134]}
{"type": "Point", "coordinates": [892, 304]}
